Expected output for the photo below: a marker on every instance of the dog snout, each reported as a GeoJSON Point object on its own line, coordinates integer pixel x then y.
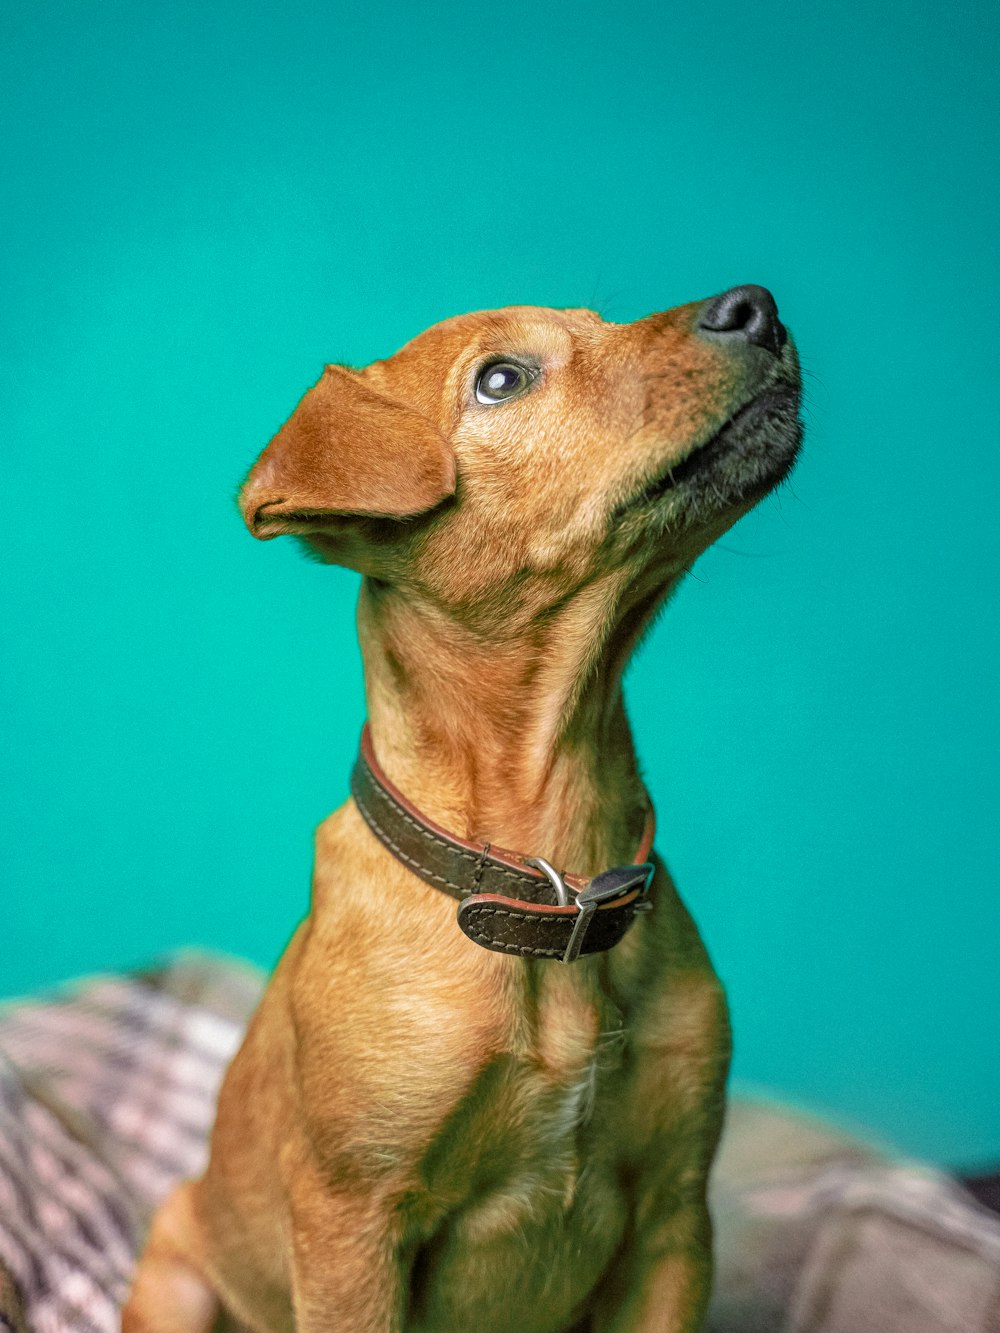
{"type": "Point", "coordinates": [748, 314]}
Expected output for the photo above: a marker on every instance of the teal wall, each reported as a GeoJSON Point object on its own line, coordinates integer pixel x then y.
{"type": "Point", "coordinates": [203, 203]}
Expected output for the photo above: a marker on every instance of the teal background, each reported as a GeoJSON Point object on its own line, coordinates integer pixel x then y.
{"type": "Point", "coordinates": [202, 204]}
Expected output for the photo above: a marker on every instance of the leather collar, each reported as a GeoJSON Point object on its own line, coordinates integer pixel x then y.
{"type": "Point", "coordinates": [509, 902]}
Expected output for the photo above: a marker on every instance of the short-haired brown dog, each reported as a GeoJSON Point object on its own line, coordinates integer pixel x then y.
{"type": "Point", "coordinates": [504, 1127]}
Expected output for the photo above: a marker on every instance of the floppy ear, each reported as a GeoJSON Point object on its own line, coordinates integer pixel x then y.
{"type": "Point", "coordinates": [346, 451]}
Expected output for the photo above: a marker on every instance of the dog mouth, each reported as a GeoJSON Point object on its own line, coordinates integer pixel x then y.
{"type": "Point", "coordinates": [745, 457]}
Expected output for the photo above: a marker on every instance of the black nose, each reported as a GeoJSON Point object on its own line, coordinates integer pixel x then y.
{"type": "Point", "coordinates": [746, 312]}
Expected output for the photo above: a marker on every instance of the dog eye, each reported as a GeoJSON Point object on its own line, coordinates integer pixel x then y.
{"type": "Point", "coordinates": [503, 379]}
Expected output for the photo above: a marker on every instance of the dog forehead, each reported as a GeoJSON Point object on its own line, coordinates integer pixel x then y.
{"type": "Point", "coordinates": [422, 369]}
{"type": "Point", "coordinates": [470, 332]}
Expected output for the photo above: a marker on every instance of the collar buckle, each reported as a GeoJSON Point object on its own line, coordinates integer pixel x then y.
{"type": "Point", "coordinates": [553, 876]}
{"type": "Point", "coordinates": [603, 888]}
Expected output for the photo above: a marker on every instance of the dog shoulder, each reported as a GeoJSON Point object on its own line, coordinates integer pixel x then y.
{"type": "Point", "coordinates": [680, 1040]}
{"type": "Point", "coordinates": [395, 1014]}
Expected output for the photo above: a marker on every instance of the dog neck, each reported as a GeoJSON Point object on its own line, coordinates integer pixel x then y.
{"type": "Point", "coordinates": [524, 743]}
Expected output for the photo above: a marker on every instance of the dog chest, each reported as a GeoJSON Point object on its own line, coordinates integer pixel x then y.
{"type": "Point", "coordinates": [526, 1255]}
{"type": "Point", "coordinates": [526, 1175]}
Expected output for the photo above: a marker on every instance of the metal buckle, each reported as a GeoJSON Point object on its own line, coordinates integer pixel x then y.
{"type": "Point", "coordinates": [554, 877]}
{"type": "Point", "coordinates": [605, 887]}
{"type": "Point", "coordinates": [579, 933]}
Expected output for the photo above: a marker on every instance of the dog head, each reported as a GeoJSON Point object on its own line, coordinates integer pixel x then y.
{"type": "Point", "coordinates": [503, 459]}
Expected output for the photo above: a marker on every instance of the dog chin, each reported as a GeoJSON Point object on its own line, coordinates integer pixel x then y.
{"type": "Point", "coordinates": [732, 470]}
{"type": "Point", "coordinates": [750, 455]}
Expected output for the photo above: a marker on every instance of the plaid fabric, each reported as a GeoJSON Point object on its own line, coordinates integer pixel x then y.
{"type": "Point", "coordinates": [818, 1233]}
{"type": "Point", "coordinates": [107, 1092]}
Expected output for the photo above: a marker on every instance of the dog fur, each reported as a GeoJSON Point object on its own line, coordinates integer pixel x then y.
{"type": "Point", "coordinates": [418, 1134]}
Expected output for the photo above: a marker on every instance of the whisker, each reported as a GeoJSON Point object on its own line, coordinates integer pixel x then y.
{"type": "Point", "coordinates": [746, 555]}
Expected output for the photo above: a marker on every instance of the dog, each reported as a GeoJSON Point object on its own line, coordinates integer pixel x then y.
{"type": "Point", "coordinates": [505, 1121]}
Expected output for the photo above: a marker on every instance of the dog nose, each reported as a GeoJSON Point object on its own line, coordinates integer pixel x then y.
{"type": "Point", "coordinates": [750, 313]}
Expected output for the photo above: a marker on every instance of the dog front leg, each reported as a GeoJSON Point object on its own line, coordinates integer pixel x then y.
{"type": "Point", "coordinates": [170, 1293]}
{"type": "Point", "coordinates": [347, 1274]}
{"type": "Point", "coordinates": [663, 1289]}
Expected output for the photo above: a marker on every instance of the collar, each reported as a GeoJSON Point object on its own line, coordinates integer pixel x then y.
{"type": "Point", "coordinates": [508, 902]}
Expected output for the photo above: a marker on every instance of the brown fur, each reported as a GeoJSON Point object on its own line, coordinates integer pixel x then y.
{"type": "Point", "coordinates": [418, 1134]}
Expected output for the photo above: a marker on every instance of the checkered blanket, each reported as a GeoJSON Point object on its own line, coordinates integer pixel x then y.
{"type": "Point", "coordinates": [106, 1098]}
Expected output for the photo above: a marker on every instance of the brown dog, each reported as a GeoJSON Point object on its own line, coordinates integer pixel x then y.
{"type": "Point", "coordinates": [420, 1133]}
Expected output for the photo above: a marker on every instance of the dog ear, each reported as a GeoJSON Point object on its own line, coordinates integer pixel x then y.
{"type": "Point", "coordinates": [346, 451]}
